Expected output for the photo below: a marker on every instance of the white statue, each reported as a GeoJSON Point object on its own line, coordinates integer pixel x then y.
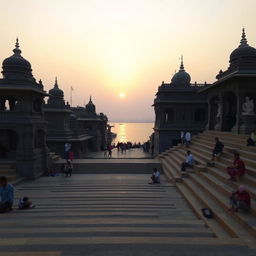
{"type": "Point", "coordinates": [248, 107]}
{"type": "Point", "coordinates": [219, 110]}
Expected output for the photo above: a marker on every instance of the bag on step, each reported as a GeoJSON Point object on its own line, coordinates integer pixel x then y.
{"type": "Point", "coordinates": [207, 213]}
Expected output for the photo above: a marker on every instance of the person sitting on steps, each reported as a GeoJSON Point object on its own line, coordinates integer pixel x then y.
{"type": "Point", "coordinates": [189, 163]}
{"type": "Point", "coordinates": [218, 148]}
{"type": "Point", "coordinates": [238, 168]}
{"type": "Point", "coordinates": [155, 177]}
{"type": "Point", "coordinates": [240, 199]}
{"type": "Point", "coordinates": [6, 195]}
{"type": "Point", "coordinates": [251, 140]}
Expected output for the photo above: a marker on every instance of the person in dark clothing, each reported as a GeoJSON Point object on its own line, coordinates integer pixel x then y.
{"type": "Point", "coordinates": [69, 169]}
{"type": "Point", "coordinates": [251, 140]}
{"type": "Point", "coordinates": [218, 148]}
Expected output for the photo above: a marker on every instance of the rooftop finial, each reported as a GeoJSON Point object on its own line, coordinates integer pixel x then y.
{"type": "Point", "coordinates": [17, 50]}
{"type": "Point", "coordinates": [17, 43]}
{"type": "Point", "coordinates": [56, 82]}
{"type": "Point", "coordinates": [90, 99]}
{"type": "Point", "coordinates": [243, 39]}
{"type": "Point", "coordinates": [181, 64]}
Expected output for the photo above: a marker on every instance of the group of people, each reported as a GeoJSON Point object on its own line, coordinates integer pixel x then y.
{"type": "Point", "coordinates": [122, 147]}
{"type": "Point", "coordinates": [185, 138]}
{"type": "Point", "coordinates": [239, 199]}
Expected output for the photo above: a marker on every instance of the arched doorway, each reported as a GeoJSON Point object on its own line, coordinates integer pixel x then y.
{"type": "Point", "coordinates": [229, 111]}
{"type": "Point", "coordinates": [8, 143]}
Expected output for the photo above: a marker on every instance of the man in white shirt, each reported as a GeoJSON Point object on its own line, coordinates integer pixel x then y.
{"type": "Point", "coordinates": [190, 161]}
{"type": "Point", "coordinates": [187, 138]}
{"type": "Point", "coordinates": [155, 176]}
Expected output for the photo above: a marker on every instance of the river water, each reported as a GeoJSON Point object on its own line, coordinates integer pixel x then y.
{"type": "Point", "coordinates": [133, 132]}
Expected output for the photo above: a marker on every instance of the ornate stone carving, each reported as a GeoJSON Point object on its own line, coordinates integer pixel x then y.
{"type": "Point", "coordinates": [248, 107]}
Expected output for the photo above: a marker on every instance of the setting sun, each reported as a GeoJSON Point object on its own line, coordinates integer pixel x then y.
{"type": "Point", "coordinates": [122, 95]}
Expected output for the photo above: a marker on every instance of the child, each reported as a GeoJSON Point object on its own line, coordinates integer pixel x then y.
{"type": "Point", "coordinates": [24, 203]}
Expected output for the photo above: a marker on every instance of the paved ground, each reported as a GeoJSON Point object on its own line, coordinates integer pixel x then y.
{"type": "Point", "coordinates": [103, 215]}
{"type": "Point", "coordinates": [131, 153]}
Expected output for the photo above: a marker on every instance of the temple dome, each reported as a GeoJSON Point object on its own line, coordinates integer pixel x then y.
{"type": "Point", "coordinates": [243, 50]}
{"type": "Point", "coordinates": [56, 91]}
{"type": "Point", "coordinates": [181, 78]}
{"type": "Point", "coordinates": [90, 107]}
{"type": "Point", "coordinates": [17, 67]}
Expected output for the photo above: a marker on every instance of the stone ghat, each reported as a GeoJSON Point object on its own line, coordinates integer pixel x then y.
{"type": "Point", "coordinates": [209, 186]}
{"type": "Point", "coordinates": [108, 214]}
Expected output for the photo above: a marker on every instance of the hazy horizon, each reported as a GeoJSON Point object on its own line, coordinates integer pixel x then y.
{"type": "Point", "coordinates": [120, 51]}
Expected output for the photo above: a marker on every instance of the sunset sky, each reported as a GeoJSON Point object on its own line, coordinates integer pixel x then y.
{"type": "Point", "coordinates": [119, 51]}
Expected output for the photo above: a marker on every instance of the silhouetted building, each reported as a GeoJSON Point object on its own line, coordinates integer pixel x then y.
{"type": "Point", "coordinates": [178, 107]}
{"type": "Point", "coordinates": [80, 126]}
{"type": "Point", "coordinates": [232, 97]}
{"type": "Point", "coordinates": [22, 124]}
{"type": "Point", "coordinates": [28, 126]}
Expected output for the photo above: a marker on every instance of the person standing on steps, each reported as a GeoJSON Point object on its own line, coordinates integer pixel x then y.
{"type": "Point", "coordinates": [6, 195]}
{"type": "Point", "coordinates": [69, 169]}
{"type": "Point", "coordinates": [238, 168]}
{"type": "Point", "coordinates": [182, 137]}
{"type": "Point", "coordinates": [189, 163]}
{"type": "Point", "coordinates": [187, 138]}
{"type": "Point", "coordinates": [218, 148]}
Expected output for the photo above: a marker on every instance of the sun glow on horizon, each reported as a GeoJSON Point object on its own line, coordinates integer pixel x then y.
{"type": "Point", "coordinates": [122, 95]}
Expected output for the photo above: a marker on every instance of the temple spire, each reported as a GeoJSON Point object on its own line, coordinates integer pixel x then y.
{"type": "Point", "coordinates": [17, 50]}
{"type": "Point", "coordinates": [56, 83]}
{"type": "Point", "coordinates": [243, 41]}
{"type": "Point", "coordinates": [90, 101]}
{"type": "Point", "coordinates": [181, 64]}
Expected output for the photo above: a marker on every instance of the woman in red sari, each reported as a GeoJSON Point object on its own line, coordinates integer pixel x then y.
{"type": "Point", "coordinates": [238, 169]}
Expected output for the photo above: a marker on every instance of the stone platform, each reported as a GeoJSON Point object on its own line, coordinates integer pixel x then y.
{"type": "Point", "coordinates": [106, 214]}
{"type": "Point", "coordinates": [114, 166]}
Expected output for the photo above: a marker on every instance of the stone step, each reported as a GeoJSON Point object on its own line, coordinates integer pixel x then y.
{"type": "Point", "coordinates": [247, 220]}
{"type": "Point", "coordinates": [231, 226]}
{"type": "Point", "coordinates": [196, 205]}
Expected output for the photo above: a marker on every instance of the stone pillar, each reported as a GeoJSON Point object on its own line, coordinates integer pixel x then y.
{"type": "Point", "coordinates": [239, 97]}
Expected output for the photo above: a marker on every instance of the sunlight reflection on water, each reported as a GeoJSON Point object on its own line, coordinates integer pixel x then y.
{"type": "Point", "coordinates": [133, 132]}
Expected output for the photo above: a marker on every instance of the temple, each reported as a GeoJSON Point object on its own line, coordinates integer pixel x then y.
{"type": "Point", "coordinates": [31, 129]}
{"type": "Point", "coordinates": [226, 105]}
{"type": "Point", "coordinates": [178, 107]}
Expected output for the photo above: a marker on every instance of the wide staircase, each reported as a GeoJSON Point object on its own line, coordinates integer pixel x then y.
{"type": "Point", "coordinates": [108, 215]}
{"type": "Point", "coordinates": [207, 185]}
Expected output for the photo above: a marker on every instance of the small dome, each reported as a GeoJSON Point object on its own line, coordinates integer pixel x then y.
{"type": "Point", "coordinates": [90, 107]}
{"type": "Point", "coordinates": [55, 91]}
{"type": "Point", "coordinates": [243, 50]}
{"type": "Point", "coordinates": [181, 78]}
{"type": "Point", "coordinates": [16, 67]}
